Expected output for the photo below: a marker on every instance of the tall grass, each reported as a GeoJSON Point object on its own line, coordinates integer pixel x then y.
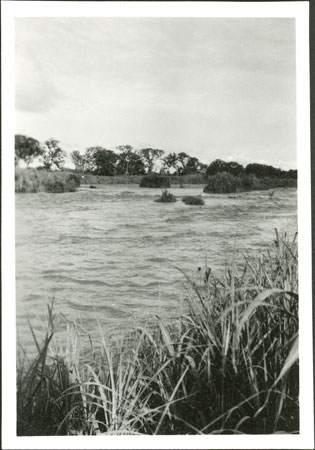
{"type": "Point", "coordinates": [32, 180]}
{"type": "Point", "coordinates": [193, 178]}
{"type": "Point", "coordinates": [228, 365]}
{"type": "Point", "coordinates": [88, 178]}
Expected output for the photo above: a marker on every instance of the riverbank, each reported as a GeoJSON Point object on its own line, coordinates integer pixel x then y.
{"type": "Point", "coordinates": [228, 366]}
{"type": "Point", "coordinates": [136, 179]}
{"type": "Point", "coordinates": [226, 183]}
{"type": "Point", "coordinates": [33, 180]}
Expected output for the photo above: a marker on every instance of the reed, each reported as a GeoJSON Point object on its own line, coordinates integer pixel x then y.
{"type": "Point", "coordinates": [229, 365]}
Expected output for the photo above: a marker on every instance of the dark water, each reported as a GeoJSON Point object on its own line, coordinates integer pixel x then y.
{"type": "Point", "coordinates": [112, 253]}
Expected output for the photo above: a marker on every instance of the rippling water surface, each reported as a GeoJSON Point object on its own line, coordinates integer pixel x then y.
{"type": "Point", "coordinates": [112, 253]}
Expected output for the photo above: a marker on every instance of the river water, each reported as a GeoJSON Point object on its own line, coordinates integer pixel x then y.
{"type": "Point", "coordinates": [113, 254]}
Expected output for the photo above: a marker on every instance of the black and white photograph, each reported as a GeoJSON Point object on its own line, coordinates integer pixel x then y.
{"type": "Point", "coordinates": [159, 279]}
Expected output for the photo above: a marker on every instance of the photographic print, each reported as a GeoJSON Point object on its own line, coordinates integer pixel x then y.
{"type": "Point", "coordinates": [158, 247]}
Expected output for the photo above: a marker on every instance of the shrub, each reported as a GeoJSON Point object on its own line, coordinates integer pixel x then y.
{"type": "Point", "coordinates": [250, 182]}
{"type": "Point", "coordinates": [223, 182]}
{"type": "Point", "coordinates": [26, 181]}
{"type": "Point", "coordinates": [33, 180]}
{"type": "Point", "coordinates": [154, 180]}
{"type": "Point", "coordinates": [193, 200]}
{"type": "Point", "coordinates": [54, 184]}
{"type": "Point", "coordinates": [166, 197]}
{"type": "Point", "coordinates": [73, 179]}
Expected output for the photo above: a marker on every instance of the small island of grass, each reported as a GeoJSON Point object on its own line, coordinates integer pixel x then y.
{"type": "Point", "coordinates": [193, 200]}
{"type": "Point", "coordinates": [166, 197]}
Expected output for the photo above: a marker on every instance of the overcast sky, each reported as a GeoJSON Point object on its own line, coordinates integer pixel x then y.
{"type": "Point", "coordinates": [214, 88]}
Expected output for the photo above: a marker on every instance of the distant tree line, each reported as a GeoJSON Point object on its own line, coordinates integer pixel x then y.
{"type": "Point", "coordinates": [128, 161]}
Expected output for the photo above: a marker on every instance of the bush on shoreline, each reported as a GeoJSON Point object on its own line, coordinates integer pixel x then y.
{"type": "Point", "coordinates": [229, 365]}
{"type": "Point", "coordinates": [224, 182]}
{"type": "Point", "coordinates": [32, 180]}
{"type": "Point", "coordinates": [154, 180]}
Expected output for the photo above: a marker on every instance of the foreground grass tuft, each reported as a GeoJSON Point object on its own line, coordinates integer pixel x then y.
{"type": "Point", "coordinates": [228, 366]}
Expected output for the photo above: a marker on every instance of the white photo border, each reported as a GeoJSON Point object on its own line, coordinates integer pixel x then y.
{"type": "Point", "coordinates": [297, 10]}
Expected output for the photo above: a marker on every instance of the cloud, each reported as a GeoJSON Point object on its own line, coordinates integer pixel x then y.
{"type": "Point", "coordinates": [35, 89]}
{"type": "Point", "coordinates": [35, 95]}
{"type": "Point", "coordinates": [199, 84]}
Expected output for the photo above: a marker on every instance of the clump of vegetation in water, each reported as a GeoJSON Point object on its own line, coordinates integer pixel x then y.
{"type": "Point", "coordinates": [228, 366]}
{"type": "Point", "coordinates": [225, 183]}
{"type": "Point", "coordinates": [154, 180]}
{"type": "Point", "coordinates": [166, 197]}
{"type": "Point", "coordinates": [55, 183]}
{"type": "Point", "coordinates": [193, 200]}
{"type": "Point", "coordinates": [32, 180]}
{"type": "Point", "coordinates": [26, 181]}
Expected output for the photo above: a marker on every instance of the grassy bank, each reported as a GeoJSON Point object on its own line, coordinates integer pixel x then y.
{"type": "Point", "coordinates": [136, 179]}
{"type": "Point", "coordinates": [33, 180]}
{"type": "Point", "coordinates": [229, 365]}
{"type": "Point", "coordinates": [224, 182]}
{"type": "Point", "coordinates": [116, 179]}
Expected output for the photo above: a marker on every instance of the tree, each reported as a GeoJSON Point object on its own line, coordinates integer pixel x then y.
{"type": "Point", "coordinates": [215, 167]}
{"type": "Point", "coordinates": [105, 161]}
{"type": "Point", "coordinates": [291, 173]}
{"type": "Point", "coordinates": [89, 159]}
{"type": "Point", "coordinates": [231, 167]}
{"type": "Point", "coordinates": [79, 161]}
{"type": "Point", "coordinates": [234, 168]}
{"type": "Point", "coordinates": [182, 160]}
{"type": "Point", "coordinates": [27, 148]}
{"type": "Point", "coordinates": [170, 163]}
{"type": "Point", "coordinates": [129, 161]}
{"type": "Point", "coordinates": [149, 157]}
{"type": "Point", "coordinates": [54, 156]}
{"type": "Point", "coordinates": [263, 170]}
{"type": "Point", "coordinates": [193, 165]}
{"type": "Point", "coordinates": [100, 161]}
